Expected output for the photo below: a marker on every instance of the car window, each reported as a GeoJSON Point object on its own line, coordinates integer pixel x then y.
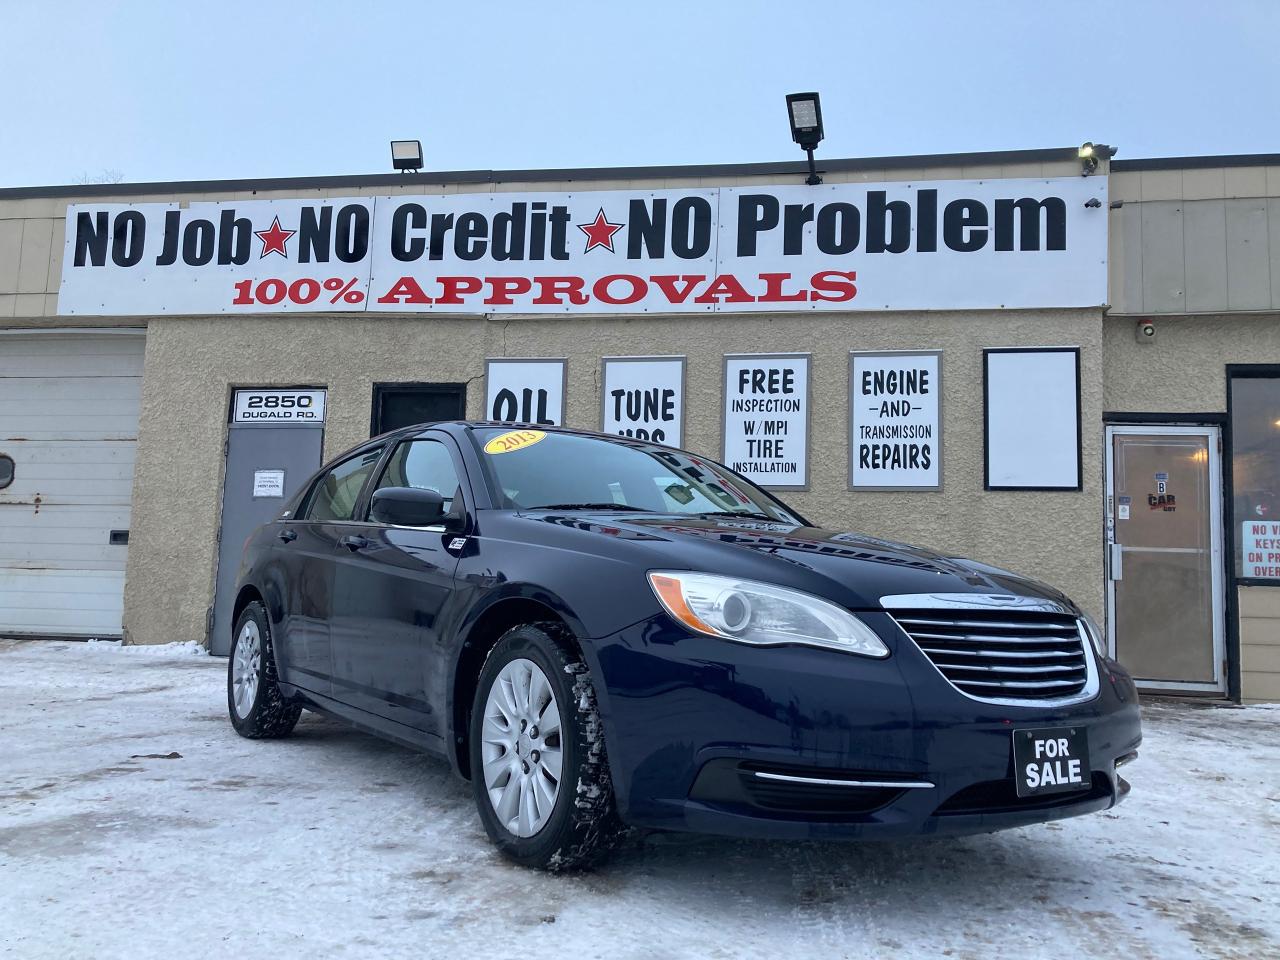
{"type": "Point", "coordinates": [424, 464]}
{"type": "Point", "coordinates": [551, 469]}
{"type": "Point", "coordinates": [336, 494]}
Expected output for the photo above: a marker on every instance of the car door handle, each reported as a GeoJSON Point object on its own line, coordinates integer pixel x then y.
{"type": "Point", "coordinates": [355, 542]}
{"type": "Point", "coordinates": [287, 536]}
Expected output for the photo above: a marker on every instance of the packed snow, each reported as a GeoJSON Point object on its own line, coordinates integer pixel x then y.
{"type": "Point", "coordinates": [135, 823]}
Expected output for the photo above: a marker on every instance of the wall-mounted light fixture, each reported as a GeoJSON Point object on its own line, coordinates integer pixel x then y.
{"type": "Point", "coordinates": [805, 113]}
{"type": "Point", "coordinates": [1090, 153]}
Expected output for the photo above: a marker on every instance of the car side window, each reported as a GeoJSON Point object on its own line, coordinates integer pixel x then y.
{"type": "Point", "coordinates": [336, 494]}
{"type": "Point", "coordinates": [424, 464]}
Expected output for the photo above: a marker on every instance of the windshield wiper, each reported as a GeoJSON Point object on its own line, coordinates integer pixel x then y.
{"type": "Point", "coordinates": [587, 506]}
{"type": "Point", "coordinates": [746, 514]}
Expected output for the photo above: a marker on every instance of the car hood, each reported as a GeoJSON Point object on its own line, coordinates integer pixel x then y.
{"type": "Point", "coordinates": [853, 569]}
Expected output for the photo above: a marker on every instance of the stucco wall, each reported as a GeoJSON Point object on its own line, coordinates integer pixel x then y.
{"type": "Point", "coordinates": [192, 364]}
{"type": "Point", "coordinates": [1184, 370]}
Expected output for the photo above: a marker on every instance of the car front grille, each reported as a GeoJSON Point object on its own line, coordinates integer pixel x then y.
{"type": "Point", "coordinates": [1002, 654]}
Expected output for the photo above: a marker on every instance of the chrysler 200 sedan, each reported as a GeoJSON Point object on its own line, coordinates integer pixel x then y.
{"type": "Point", "coordinates": [601, 633]}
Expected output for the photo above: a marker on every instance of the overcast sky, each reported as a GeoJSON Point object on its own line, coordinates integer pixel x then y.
{"type": "Point", "coordinates": [230, 89]}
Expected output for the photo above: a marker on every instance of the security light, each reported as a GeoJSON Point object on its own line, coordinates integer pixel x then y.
{"type": "Point", "coordinates": [406, 154]}
{"type": "Point", "coordinates": [805, 112]}
{"type": "Point", "coordinates": [1090, 153]}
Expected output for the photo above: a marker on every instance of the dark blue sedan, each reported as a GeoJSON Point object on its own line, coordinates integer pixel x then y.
{"type": "Point", "coordinates": [601, 632]}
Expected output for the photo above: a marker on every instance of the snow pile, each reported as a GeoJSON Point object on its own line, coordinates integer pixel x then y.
{"type": "Point", "coordinates": [179, 649]}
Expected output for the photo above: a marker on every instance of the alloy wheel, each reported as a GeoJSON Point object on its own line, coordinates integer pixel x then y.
{"type": "Point", "coordinates": [521, 747]}
{"type": "Point", "coordinates": [244, 668]}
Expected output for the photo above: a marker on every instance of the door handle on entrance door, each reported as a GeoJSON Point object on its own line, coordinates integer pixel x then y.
{"type": "Point", "coordinates": [1116, 571]}
{"type": "Point", "coordinates": [287, 536]}
{"type": "Point", "coordinates": [355, 542]}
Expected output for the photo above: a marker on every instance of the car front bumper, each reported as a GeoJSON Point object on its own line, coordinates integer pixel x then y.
{"type": "Point", "coordinates": [690, 720]}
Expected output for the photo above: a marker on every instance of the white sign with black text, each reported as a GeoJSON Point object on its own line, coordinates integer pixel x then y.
{"type": "Point", "coordinates": [1260, 548]}
{"type": "Point", "coordinates": [525, 391]}
{"type": "Point", "coordinates": [276, 407]}
{"type": "Point", "coordinates": [268, 484]}
{"type": "Point", "coordinates": [643, 397]}
{"type": "Point", "coordinates": [943, 244]}
{"type": "Point", "coordinates": [766, 418]}
{"type": "Point", "coordinates": [895, 414]}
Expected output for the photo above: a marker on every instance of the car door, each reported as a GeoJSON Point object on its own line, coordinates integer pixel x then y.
{"type": "Point", "coordinates": [393, 590]}
{"type": "Point", "coordinates": [309, 547]}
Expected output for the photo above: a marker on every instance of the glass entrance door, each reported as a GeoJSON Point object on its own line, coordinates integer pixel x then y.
{"type": "Point", "coordinates": [1164, 556]}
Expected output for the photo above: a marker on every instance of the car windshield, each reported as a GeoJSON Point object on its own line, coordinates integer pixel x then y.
{"type": "Point", "coordinates": [533, 469]}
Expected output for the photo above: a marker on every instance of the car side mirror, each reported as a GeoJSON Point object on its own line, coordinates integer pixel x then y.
{"type": "Point", "coordinates": [407, 507]}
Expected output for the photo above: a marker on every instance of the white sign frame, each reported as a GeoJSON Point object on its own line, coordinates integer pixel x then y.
{"type": "Point", "coordinates": [806, 359]}
{"type": "Point", "coordinates": [1019, 454]}
{"type": "Point", "coordinates": [491, 378]}
{"type": "Point", "coordinates": [935, 422]}
{"type": "Point", "coordinates": [677, 363]}
{"type": "Point", "coordinates": [242, 404]}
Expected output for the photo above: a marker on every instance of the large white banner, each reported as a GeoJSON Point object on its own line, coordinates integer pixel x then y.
{"type": "Point", "coordinates": [948, 244]}
{"type": "Point", "coordinates": [766, 418]}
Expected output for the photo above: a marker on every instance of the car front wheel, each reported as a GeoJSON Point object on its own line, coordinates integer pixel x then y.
{"type": "Point", "coordinates": [538, 764]}
{"type": "Point", "coordinates": [258, 709]}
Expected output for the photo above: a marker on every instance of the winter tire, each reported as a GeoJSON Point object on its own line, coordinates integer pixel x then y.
{"type": "Point", "coordinates": [538, 764]}
{"type": "Point", "coordinates": [258, 709]}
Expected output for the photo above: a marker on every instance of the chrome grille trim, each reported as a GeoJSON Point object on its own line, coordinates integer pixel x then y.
{"type": "Point", "coordinates": [973, 644]}
{"type": "Point", "coordinates": [824, 782]}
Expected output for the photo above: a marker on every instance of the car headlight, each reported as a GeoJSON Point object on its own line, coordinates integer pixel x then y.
{"type": "Point", "coordinates": [761, 613]}
{"type": "Point", "coordinates": [1096, 636]}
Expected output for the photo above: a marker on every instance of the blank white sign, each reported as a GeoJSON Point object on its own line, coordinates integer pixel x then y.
{"type": "Point", "coordinates": [1033, 419]}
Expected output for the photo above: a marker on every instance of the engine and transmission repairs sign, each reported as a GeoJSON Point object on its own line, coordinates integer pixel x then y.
{"type": "Point", "coordinates": [766, 418]}
{"type": "Point", "coordinates": [953, 244]}
{"type": "Point", "coordinates": [895, 415]}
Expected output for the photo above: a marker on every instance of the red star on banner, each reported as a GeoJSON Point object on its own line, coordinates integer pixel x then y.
{"type": "Point", "coordinates": [600, 232]}
{"type": "Point", "coordinates": [274, 239]}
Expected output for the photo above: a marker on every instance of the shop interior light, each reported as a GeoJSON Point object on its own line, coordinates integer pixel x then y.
{"type": "Point", "coordinates": [406, 154]}
{"type": "Point", "coordinates": [805, 113]}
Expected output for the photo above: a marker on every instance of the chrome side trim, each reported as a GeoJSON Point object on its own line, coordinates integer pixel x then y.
{"type": "Point", "coordinates": [819, 781]}
{"type": "Point", "coordinates": [974, 601]}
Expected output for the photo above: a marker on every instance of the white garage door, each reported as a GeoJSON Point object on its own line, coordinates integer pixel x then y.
{"type": "Point", "coordinates": [69, 422]}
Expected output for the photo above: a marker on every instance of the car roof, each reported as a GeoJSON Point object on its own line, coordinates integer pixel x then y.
{"type": "Point", "coordinates": [460, 426]}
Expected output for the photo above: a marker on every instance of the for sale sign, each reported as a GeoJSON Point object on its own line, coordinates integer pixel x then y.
{"type": "Point", "coordinates": [766, 418]}
{"type": "Point", "coordinates": [893, 246]}
{"type": "Point", "coordinates": [895, 416]}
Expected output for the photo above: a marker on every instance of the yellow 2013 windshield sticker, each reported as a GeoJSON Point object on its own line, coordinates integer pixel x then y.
{"type": "Point", "coordinates": [514, 440]}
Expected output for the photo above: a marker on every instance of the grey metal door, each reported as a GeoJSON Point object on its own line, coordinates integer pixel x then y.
{"type": "Point", "coordinates": [271, 451]}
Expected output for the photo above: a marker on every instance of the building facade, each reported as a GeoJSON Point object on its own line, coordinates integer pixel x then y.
{"type": "Point", "coordinates": [1077, 378]}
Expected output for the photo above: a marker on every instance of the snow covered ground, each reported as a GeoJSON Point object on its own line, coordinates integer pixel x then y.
{"type": "Point", "coordinates": [135, 823]}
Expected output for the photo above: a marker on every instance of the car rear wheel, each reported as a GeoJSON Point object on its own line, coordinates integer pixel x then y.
{"type": "Point", "coordinates": [538, 764]}
{"type": "Point", "coordinates": [258, 709]}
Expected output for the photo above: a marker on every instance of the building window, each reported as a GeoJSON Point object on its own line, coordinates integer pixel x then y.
{"type": "Point", "coordinates": [397, 405]}
{"type": "Point", "coordinates": [1255, 473]}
